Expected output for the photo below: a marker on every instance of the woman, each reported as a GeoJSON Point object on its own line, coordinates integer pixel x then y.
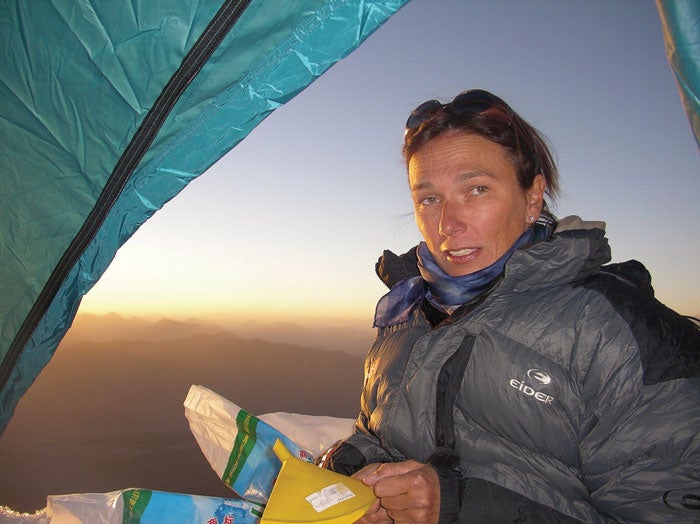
{"type": "Point", "coordinates": [514, 377]}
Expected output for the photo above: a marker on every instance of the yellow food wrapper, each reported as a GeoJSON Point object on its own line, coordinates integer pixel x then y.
{"type": "Point", "coordinates": [304, 492]}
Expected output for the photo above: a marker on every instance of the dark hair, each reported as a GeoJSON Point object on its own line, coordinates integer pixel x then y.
{"type": "Point", "coordinates": [498, 123]}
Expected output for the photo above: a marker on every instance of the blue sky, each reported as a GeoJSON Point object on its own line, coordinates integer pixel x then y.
{"type": "Point", "coordinates": [291, 222]}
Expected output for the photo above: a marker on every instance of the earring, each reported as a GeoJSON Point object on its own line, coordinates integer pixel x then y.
{"type": "Point", "coordinates": [531, 219]}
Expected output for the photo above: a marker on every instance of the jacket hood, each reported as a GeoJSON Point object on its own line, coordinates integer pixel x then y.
{"type": "Point", "coordinates": [565, 258]}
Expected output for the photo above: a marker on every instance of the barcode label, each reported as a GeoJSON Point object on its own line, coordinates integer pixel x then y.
{"type": "Point", "coordinates": [330, 496]}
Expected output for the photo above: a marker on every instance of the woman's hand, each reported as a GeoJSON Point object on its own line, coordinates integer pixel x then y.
{"type": "Point", "coordinates": [407, 491]}
{"type": "Point", "coordinates": [376, 514]}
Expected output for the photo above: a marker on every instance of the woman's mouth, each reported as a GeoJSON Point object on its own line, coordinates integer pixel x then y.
{"type": "Point", "coordinates": [461, 252]}
{"type": "Point", "coordinates": [461, 256]}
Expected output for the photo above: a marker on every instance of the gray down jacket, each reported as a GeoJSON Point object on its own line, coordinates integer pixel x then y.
{"type": "Point", "coordinates": [565, 393]}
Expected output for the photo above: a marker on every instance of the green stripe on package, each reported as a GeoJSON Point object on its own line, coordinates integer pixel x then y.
{"type": "Point", "coordinates": [135, 503]}
{"type": "Point", "coordinates": [243, 447]}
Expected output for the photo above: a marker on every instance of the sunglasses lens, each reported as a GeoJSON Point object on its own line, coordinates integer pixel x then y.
{"type": "Point", "coordinates": [475, 101]}
{"type": "Point", "coordinates": [421, 113]}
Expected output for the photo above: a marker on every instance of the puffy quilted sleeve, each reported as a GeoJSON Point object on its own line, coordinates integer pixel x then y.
{"type": "Point", "coordinates": [640, 455]}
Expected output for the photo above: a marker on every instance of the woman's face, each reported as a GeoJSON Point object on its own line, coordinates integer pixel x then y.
{"type": "Point", "coordinates": [468, 203]}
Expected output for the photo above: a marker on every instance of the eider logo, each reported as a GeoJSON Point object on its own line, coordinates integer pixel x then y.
{"type": "Point", "coordinates": [538, 376]}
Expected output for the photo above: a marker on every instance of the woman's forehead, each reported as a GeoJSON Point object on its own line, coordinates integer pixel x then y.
{"type": "Point", "coordinates": [461, 152]}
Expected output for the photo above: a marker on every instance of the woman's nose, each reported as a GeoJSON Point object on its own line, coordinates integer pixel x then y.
{"type": "Point", "coordinates": [451, 219]}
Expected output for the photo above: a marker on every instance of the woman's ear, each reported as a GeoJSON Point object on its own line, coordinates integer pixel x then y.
{"type": "Point", "coordinates": [535, 197]}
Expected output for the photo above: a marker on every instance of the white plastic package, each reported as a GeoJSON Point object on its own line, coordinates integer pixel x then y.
{"type": "Point", "coordinates": [239, 446]}
{"type": "Point", "coordinates": [141, 506]}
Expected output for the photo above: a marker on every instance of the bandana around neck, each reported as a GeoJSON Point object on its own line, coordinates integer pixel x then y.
{"type": "Point", "coordinates": [445, 291]}
{"type": "Point", "coordinates": [439, 288]}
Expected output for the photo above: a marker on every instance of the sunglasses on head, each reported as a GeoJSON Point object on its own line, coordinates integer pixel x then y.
{"type": "Point", "coordinates": [472, 101]}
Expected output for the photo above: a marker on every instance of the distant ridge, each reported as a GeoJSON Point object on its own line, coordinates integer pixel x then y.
{"type": "Point", "coordinates": [113, 327]}
{"type": "Point", "coordinates": [320, 334]}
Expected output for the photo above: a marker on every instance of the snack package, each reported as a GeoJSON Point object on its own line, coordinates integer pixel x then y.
{"type": "Point", "coordinates": [142, 506]}
{"type": "Point", "coordinates": [238, 445]}
{"type": "Point", "coordinates": [306, 493]}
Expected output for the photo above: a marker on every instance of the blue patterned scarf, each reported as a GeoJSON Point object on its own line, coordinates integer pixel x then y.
{"type": "Point", "coordinates": [439, 288]}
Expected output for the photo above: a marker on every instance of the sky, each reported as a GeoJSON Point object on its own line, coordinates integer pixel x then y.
{"type": "Point", "coordinates": [291, 222]}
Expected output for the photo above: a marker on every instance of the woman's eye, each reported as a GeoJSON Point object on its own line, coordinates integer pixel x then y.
{"type": "Point", "coordinates": [427, 201]}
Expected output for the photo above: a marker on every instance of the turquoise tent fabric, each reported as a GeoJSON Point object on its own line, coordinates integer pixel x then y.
{"type": "Point", "coordinates": [108, 109]}
{"type": "Point", "coordinates": [680, 20]}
